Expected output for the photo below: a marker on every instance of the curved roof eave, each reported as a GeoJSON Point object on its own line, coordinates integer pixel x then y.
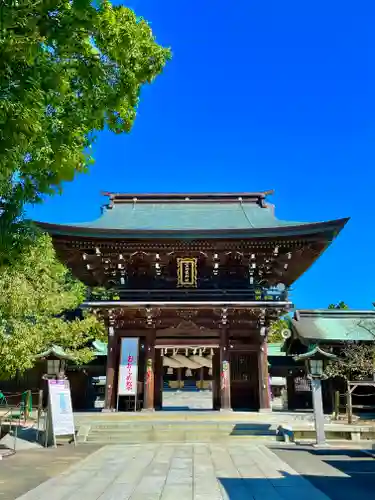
{"type": "Point", "coordinates": [306, 229]}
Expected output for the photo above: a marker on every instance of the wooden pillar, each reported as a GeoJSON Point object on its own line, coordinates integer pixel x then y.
{"type": "Point", "coordinates": [149, 382]}
{"type": "Point", "coordinates": [201, 378]}
{"type": "Point", "coordinates": [263, 377]}
{"type": "Point", "coordinates": [216, 402]}
{"type": "Point", "coordinates": [112, 370]}
{"type": "Point", "coordinates": [225, 370]}
{"type": "Point", "coordinates": [179, 378]}
{"type": "Point", "coordinates": [158, 380]}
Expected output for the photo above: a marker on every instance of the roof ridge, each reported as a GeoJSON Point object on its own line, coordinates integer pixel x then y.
{"type": "Point", "coordinates": [175, 197]}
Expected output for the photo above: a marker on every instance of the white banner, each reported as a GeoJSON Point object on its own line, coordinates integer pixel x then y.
{"type": "Point", "coordinates": [60, 407]}
{"type": "Point", "coordinates": [128, 369]}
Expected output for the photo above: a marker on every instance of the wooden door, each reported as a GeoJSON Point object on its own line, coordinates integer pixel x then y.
{"type": "Point", "coordinates": [244, 381]}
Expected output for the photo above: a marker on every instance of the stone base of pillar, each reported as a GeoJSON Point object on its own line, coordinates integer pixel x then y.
{"type": "Point", "coordinates": [265, 410]}
{"type": "Point", "coordinates": [147, 410]}
{"type": "Point", "coordinates": [108, 410]}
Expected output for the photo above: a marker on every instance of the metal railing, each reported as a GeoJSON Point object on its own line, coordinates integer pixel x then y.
{"type": "Point", "coordinates": [10, 417]}
{"type": "Point", "coordinates": [17, 414]}
{"type": "Point", "coordinates": [22, 399]}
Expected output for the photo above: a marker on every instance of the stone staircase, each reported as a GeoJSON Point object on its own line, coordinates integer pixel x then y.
{"type": "Point", "coordinates": [178, 427]}
{"type": "Point", "coordinates": [176, 432]}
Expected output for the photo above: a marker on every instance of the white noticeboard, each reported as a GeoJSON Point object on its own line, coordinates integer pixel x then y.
{"type": "Point", "coordinates": [60, 411]}
{"type": "Point", "coordinates": [128, 369]}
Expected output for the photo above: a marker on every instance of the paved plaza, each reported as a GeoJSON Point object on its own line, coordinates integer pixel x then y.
{"type": "Point", "coordinates": [236, 471]}
{"type": "Point", "coordinates": [187, 400]}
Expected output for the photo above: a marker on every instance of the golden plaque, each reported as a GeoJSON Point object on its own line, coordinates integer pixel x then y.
{"type": "Point", "coordinates": [187, 272]}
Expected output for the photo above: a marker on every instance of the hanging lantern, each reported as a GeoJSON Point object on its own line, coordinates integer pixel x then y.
{"type": "Point", "coordinates": [210, 372]}
{"type": "Point", "coordinates": [170, 371]}
{"type": "Point", "coordinates": [188, 373]}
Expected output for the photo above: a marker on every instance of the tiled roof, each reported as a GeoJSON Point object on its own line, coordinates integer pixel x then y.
{"type": "Point", "coordinates": [275, 349]}
{"type": "Point", "coordinates": [334, 325]}
{"type": "Point", "coordinates": [203, 214]}
{"type": "Point", "coordinates": [99, 347]}
{"type": "Point", "coordinates": [187, 216]}
{"type": "Point", "coordinates": [56, 352]}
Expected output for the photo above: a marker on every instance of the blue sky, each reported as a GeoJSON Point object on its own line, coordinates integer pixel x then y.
{"type": "Point", "coordinates": [259, 95]}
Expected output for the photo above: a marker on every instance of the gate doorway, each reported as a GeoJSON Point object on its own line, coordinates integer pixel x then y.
{"type": "Point", "coordinates": [187, 380]}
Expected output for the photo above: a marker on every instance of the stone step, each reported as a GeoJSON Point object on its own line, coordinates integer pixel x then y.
{"type": "Point", "coordinates": [140, 432]}
{"type": "Point", "coordinates": [183, 426]}
{"type": "Point", "coordinates": [154, 422]}
{"type": "Point", "coordinates": [163, 417]}
{"type": "Point", "coordinates": [227, 432]}
{"type": "Point", "coordinates": [179, 427]}
{"type": "Point", "coordinates": [173, 437]}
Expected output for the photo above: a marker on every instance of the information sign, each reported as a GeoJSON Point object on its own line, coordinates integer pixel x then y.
{"type": "Point", "coordinates": [60, 412]}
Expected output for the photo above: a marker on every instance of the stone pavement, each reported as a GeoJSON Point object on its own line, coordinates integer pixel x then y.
{"type": "Point", "coordinates": [28, 469]}
{"type": "Point", "coordinates": [235, 471]}
{"type": "Point", "coordinates": [187, 400]}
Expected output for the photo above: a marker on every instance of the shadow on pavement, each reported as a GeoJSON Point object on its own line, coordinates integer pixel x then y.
{"type": "Point", "coordinates": [290, 487]}
{"type": "Point", "coordinates": [253, 429]}
{"type": "Point", "coordinates": [327, 452]}
{"type": "Point", "coordinates": [287, 487]}
{"type": "Point", "coordinates": [342, 474]}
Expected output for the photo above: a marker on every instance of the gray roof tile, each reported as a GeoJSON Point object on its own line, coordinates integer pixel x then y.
{"type": "Point", "coordinates": [187, 215]}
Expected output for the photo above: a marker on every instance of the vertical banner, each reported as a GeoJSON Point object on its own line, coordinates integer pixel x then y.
{"type": "Point", "coordinates": [128, 369]}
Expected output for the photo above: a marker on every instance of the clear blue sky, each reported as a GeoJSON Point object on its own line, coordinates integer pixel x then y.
{"type": "Point", "coordinates": [259, 95]}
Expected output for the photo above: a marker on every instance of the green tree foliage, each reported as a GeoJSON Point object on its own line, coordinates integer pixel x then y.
{"type": "Point", "coordinates": [16, 234]}
{"type": "Point", "coordinates": [275, 330]}
{"type": "Point", "coordinates": [68, 68]}
{"type": "Point", "coordinates": [339, 305]}
{"type": "Point", "coordinates": [36, 293]}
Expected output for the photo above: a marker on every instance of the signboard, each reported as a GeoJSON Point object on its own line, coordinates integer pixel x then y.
{"type": "Point", "coordinates": [187, 272]}
{"type": "Point", "coordinates": [128, 369]}
{"type": "Point", "coordinates": [60, 414]}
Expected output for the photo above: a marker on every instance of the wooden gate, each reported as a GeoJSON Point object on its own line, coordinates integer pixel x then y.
{"type": "Point", "coordinates": [244, 380]}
